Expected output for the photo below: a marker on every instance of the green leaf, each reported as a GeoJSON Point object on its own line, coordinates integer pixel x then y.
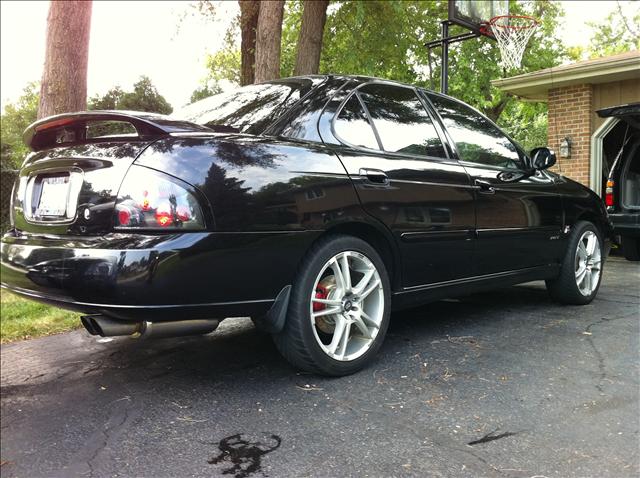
{"type": "Point", "coordinates": [15, 119]}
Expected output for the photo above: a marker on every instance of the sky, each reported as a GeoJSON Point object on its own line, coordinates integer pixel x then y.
{"type": "Point", "coordinates": [166, 41]}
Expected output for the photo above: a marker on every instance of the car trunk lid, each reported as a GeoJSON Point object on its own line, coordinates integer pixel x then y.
{"type": "Point", "coordinates": [629, 113]}
{"type": "Point", "coordinates": [69, 184]}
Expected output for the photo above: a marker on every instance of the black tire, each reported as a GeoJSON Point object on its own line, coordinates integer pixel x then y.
{"type": "Point", "coordinates": [297, 342]}
{"type": "Point", "coordinates": [564, 288]}
{"type": "Point", "coordinates": [631, 248]}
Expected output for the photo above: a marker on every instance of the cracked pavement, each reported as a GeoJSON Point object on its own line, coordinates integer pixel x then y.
{"type": "Point", "coordinates": [504, 383]}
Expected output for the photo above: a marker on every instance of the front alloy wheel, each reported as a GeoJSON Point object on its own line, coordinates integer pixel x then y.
{"type": "Point", "coordinates": [581, 268]}
{"type": "Point", "coordinates": [588, 261]}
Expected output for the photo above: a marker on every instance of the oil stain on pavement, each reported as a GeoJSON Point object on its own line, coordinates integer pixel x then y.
{"type": "Point", "coordinates": [244, 454]}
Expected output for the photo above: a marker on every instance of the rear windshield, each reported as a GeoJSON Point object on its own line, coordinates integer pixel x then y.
{"type": "Point", "coordinates": [250, 109]}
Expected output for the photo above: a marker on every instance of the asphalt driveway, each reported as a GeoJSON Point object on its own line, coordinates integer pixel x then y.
{"type": "Point", "coordinates": [504, 383]}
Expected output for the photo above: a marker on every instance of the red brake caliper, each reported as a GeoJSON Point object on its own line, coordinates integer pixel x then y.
{"type": "Point", "coordinates": [321, 293]}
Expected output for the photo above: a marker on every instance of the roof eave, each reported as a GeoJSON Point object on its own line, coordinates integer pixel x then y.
{"type": "Point", "coordinates": [535, 86]}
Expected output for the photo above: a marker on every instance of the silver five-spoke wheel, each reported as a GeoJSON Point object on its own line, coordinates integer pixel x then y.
{"type": "Point", "coordinates": [588, 263]}
{"type": "Point", "coordinates": [347, 305]}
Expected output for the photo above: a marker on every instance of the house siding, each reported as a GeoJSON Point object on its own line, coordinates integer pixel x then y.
{"type": "Point", "coordinates": [613, 94]}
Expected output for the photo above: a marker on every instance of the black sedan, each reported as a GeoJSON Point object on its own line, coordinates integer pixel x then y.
{"type": "Point", "coordinates": [314, 205]}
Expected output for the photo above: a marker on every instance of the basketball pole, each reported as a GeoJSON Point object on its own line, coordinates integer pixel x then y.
{"type": "Point", "coordinates": [444, 70]}
{"type": "Point", "coordinates": [444, 43]}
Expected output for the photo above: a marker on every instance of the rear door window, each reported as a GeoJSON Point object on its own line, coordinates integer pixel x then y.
{"type": "Point", "coordinates": [352, 125]}
{"type": "Point", "coordinates": [403, 124]}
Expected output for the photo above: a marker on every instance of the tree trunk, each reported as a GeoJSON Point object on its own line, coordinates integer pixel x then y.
{"type": "Point", "coordinates": [494, 112]}
{"type": "Point", "coordinates": [268, 40]}
{"type": "Point", "coordinates": [64, 79]}
{"type": "Point", "coordinates": [314, 17]}
{"type": "Point", "coordinates": [249, 10]}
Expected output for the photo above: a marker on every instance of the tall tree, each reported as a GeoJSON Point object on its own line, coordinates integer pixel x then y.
{"type": "Point", "coordinates": [388, 43]}
{"type": "Point", "coordinates": [249, 10]}
{"type": "Point", "coordinates": [314, 17]}
{"type": "Point", "coordinates": [389, 40]}
{"type": "Point", "coordinates": [268, 38]}
{"type": "Point", "coordinates": [64, 79]}
{"type": "Point", "coordinates": [247, 21]}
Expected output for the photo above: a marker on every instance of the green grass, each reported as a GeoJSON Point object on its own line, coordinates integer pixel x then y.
{"type": "Point", "coordinates": [24, 319]}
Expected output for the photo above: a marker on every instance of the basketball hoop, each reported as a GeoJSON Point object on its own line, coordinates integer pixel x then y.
{"type": "Point", "coordinates": [512, 32]}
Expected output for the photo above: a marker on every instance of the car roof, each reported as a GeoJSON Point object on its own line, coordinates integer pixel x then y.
{"type": "Point", "coordinates": [360, 79]}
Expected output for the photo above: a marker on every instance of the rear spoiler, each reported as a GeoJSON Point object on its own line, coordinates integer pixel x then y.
{"type": "Point", "coordinates": [72, 127]}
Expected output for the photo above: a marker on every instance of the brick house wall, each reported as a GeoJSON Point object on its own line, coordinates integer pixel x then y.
{"type": "Point", "coordinates": [570, 115]}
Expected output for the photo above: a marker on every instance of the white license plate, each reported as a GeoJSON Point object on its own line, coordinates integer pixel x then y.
{"type": "Point", "coordinates": [54, 196]}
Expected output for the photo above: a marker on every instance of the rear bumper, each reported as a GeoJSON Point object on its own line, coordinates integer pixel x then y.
{"type": "Point", "coordinates": [157, 278]}
{"type": "Point", "coordinates": [626, 224]}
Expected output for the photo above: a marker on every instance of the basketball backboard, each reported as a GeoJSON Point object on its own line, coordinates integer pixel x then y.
{"type": "Point", "coordinates": [473, 14]}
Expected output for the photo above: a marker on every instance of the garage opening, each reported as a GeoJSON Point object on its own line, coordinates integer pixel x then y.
{"type": "Point", "coordinates": [617, 149]}
{"type": "Point", "coordinates": [621, 164]}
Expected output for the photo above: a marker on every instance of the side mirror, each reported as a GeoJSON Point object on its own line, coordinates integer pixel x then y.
{"type": "Point", "coordinates": [542, 158]}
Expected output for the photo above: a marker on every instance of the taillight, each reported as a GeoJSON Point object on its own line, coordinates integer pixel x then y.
{"type": "Point", "coordinates": [149, 199]}
{"type": "Point", "coordinates": [608, 199]}
{"type": "Point", "coordinates": [608, 195]}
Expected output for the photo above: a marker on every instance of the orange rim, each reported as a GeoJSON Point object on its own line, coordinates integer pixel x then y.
{"type": "Point", "coordinates": [493, 24]}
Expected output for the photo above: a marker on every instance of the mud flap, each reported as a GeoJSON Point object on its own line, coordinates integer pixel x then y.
{"type": "Point", "coordinates": [273, 321]}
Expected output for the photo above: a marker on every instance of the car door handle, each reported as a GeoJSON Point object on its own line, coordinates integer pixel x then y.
{"type": "Point", "coordinates": [484, 187]}
{"type": "Point", "coordinates": [374, 175]}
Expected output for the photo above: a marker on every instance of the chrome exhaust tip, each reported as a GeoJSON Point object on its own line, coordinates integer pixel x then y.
{"type": "Point", "coordinates": [105, 327]}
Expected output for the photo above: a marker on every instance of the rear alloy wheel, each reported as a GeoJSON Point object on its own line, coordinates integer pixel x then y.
{"type": "Point", "coordinates": [346, 317]}
{"type": "Point", "coordinates": [581, 270]}
{"type": "Point", "coordinates": [339, 308]}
